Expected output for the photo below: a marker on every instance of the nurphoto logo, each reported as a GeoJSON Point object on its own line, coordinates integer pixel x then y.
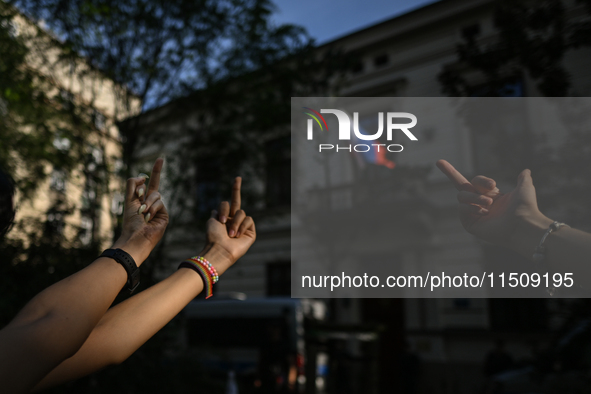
{"type": "Point", "coordinates": [345, 130]}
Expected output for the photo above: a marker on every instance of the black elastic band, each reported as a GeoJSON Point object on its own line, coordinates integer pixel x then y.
{"type": "Point", "coordinates": [123, 258]}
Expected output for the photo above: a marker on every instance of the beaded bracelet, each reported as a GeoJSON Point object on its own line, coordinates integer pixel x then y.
{"type": "Point", "coordinates": [539, 255]}
{"type": "Point", "coordinates": [204, 268]}
{"type": "Point", "coordinates": [540, 250]}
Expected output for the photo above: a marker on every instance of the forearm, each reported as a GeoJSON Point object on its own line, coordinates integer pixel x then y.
{"type": "Point", "coordinates": [77, 303]}
{"type": "Point", "coordinates": [56, 322]}
{"type": "Point", "coordinates": [566, 250]}
{"type": "Point", "coordinates": [128, 325]}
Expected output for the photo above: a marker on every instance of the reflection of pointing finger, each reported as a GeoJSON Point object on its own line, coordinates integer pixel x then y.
{"type": "Point", "coordinates": [459, 181]}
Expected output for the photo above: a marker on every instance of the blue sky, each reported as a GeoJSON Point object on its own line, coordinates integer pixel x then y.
{"type": "Point", "coordinates": [329, 19]}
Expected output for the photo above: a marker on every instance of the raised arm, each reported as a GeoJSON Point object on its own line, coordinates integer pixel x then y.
{"type": "Point", "coordinates": [128, 325]}
{"type": "Point", "coordinates": [56, 323]}
{"type": "Point", "coordinates": [513, 220]}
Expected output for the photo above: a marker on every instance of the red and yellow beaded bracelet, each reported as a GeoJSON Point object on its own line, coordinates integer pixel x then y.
{"type": "Point", "coordinates": [205, 270]}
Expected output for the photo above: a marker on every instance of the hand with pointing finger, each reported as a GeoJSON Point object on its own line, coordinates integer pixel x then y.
{"type": "Point", "coordinates": [144, 217]}
{"type": "Point", "coordinates": [229, 231]}
{"type": "Point", "coordinates": [491, 215]}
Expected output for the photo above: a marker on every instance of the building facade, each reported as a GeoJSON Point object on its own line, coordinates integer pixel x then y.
{"type": "Point", "coordinates": [81, 205]}
{"type": "Point", "coordinates": [400, 57]}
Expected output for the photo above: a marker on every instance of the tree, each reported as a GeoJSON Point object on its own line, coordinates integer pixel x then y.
{"type": "Point", "coordinates": [533, 38]}
{"type": "Point", "coordinates": [26, 104]}
{"type": "Point", "coordinates": [167, 49]}
{"type": "Point", "coordinates": [243, 68]}
{"type": "Point", "coordinates": [42, 133]}
{"type": "Point", "coordinates": [225, 59]}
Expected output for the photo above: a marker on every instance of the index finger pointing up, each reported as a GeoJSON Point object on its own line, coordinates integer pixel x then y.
{"type": "Point", "coordinates": [235, 196]}
{"type": "Point", "coordinates": [155, 179]}
{"type": "Point", "coordinates": [459, 181]}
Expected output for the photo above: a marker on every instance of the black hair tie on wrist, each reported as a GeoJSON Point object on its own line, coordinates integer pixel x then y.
{"type": "Point", "coordinates": [124, 258]}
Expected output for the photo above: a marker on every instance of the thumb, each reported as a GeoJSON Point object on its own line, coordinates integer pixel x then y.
{"type": "Point", "coordinates": [526, 190]}
{"type": "Point", "coordinates": [524, 180]}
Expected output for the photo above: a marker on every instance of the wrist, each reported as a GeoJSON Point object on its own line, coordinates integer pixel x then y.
{"type": "Point", "coordinates": [137, 252]}
{"type": "Point", "coordinates": [218, 256]}
{"type": "Point", "coordinates": [528, 232]}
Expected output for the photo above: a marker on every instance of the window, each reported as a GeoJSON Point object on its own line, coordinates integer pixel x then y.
{"type": "Point", "coordinates": [3, 107]}
{"type": "Point", "coordinates": [278, 160]}
{"type": "Point", "coordinates": [11, 27]}
{"type": "Point", "coordinates": [89, 195]}
{"type": "Point", "coordinates": [85, 233]}
{"type": "Point", "coordinates": [67, 99]}
{"type": "Point", "coordinates": [381, 60]}
{"type": "Point", "coordinates": [499, 135]}
{"type": "Point", "coordinates": [118, 165]}
{"type": "Point", "coordinates": [58, 181]}
{"type": "Point", "coordinates": [91, 192]}
{"type": "Point", "coordinates": [279, 279]}
{"type": "Point", "coordinates": [55, 222]}
{"type": "Point", "coordinates": [62, 143]}
{"type": "Point", "coordinates": [117, 204]}
{"type": "Point", "coordinates": [208, 188]}
{"type": "Point", "coordinates": [357, 68]}
{"type": "Point", "coordinates": [94, 158]}
{"type": "Point", "coordinates": [509, 87]}
{"type": "Point", "coordinates": [470, 32]}
{"type": "Point", "coordinates": [99, 120]}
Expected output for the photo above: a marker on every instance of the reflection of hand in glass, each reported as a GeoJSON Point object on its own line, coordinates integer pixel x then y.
{"type": "Point", "coordinates": [513, 220]}
{"type": "Point", "coordinates": [491, 215]}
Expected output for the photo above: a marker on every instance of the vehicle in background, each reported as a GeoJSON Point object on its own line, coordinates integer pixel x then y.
{"type": "Point", "coordinates": [261, 340]}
